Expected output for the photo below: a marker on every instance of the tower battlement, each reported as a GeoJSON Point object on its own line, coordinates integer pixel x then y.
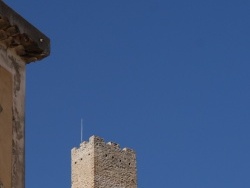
{"type": "Point", "coordinates": [104, 165]}
{"type": "Point", "coordinates": [98, 141]}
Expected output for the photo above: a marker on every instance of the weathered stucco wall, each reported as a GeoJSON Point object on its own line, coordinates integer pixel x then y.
{"type": "Point", "coordinates": [97, 164]}
{"type": "Point", "coordinates": [12, 92]}
{"type": "Point", "coordinates": [20, 44]}
{"type": "Point", "coordinates": [5, 126]}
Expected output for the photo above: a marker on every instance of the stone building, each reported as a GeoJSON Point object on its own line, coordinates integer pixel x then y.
{"type": "Point", "coordinates": [96, 164]}
{"type": "Point", "coordinates": [20, 44]}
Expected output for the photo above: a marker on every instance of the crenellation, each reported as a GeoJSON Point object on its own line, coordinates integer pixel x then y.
{"type": "Point", "coordinates": [96, 164]}
{"type": "Point", "coordinates": [96, 140]}
{"type": "Point", "coordinates": [115, 145]}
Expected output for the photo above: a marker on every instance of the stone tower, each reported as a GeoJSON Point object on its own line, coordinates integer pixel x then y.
{"type": "Point", "coordinates": [96, 164]}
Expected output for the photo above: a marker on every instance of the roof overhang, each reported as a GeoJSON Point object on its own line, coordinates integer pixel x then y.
{"type": "Point", "coordinates": [15, 32]}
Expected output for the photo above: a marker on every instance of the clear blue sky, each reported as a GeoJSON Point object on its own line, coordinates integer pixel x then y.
{"type": "Point", "coordinates": [168, 78]}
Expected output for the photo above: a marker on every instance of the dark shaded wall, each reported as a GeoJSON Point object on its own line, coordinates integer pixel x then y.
{"type": "Point", "coordinates": [5, 126]}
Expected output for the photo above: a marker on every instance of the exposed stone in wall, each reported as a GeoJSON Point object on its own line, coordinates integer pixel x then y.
{"type": "Point", "coordinates": [12, 119]}
{"type": "Point", "coordinates": [24, 39]}
{"type": "Point", "coordinates": [20, 43]}
{"type": "Point", "coordinates": [97, 164]}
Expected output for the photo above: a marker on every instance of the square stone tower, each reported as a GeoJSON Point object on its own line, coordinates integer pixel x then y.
{"type": "Point", "coordinates": [96, 164]}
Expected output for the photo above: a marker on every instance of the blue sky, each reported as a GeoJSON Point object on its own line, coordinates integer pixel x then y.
{"type": "Point", "coordinates": [168, 78]}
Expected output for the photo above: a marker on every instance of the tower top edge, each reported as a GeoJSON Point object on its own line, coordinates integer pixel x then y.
{"type": "Point", "coordinates": [98, 141]}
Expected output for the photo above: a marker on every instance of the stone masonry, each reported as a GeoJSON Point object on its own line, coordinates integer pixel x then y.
{"type": "Point", "coordinates": [96, 164]}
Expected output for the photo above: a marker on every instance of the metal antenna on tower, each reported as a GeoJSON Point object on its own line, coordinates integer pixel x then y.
{"type": "Point", "coordinates": [81, 130]}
